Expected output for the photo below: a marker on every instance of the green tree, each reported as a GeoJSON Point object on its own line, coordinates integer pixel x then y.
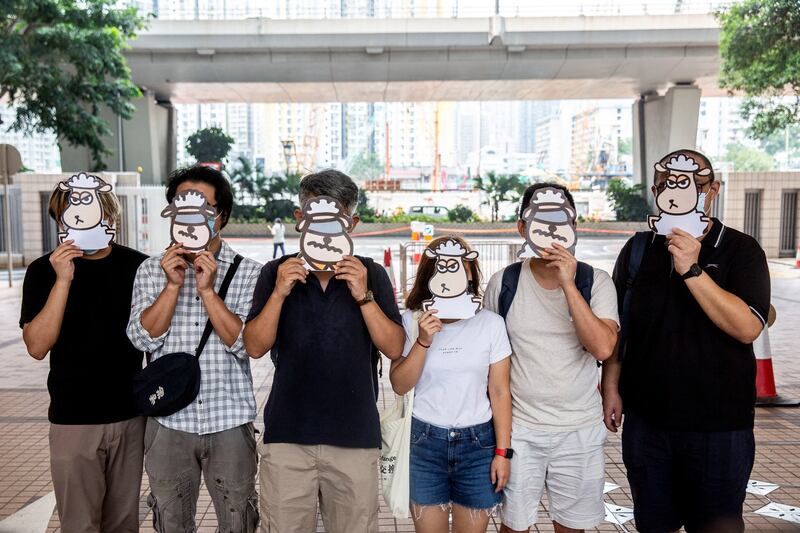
{"type": "Point", "coordinates": [367, 167]}
{"type": "Point", "coordinates": [748, 159]}
{"type": "Point", "coordinates": [624, 146]}
{"type": "Point", "coordinates": [61, 62]}
{"type": "Point", "coordinates": [761, 59]}
{"type": "Point", "coordinates": [363, 209]}
{"type": "Point", "coordinates": [209, 145]}
{"type": "Point", "coordinates": [462, 213]}
{"type": "Point", "coordinates": [500, 188]}
{"type": "Point", "coordinates": [628, 202]}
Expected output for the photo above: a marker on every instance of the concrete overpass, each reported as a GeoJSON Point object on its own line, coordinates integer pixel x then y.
{"type": "Point", "coordinates": [490, 58]}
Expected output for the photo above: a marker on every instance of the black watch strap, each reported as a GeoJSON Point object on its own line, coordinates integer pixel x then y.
{"type": "Point", "coordinates": [693, 272]}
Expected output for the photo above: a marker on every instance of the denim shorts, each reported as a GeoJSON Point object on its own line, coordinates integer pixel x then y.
{"type": "Point", "coordinates": [453, 465]}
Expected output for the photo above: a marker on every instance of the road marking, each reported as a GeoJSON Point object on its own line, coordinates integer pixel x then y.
{"type": "Point", "coordinates": [32, 518]}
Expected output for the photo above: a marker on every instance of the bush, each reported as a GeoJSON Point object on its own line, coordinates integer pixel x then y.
{"type": "Point", "coordinates": [462, 213]}
{"type": "Point", "coordinates": [629, 204]}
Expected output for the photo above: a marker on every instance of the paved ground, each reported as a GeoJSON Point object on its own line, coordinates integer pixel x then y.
{"type": "Point", "coordinates": [24, 461]}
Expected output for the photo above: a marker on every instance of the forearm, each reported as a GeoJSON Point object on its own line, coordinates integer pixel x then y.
{"type": "Point", "coordinates": [261, 332]}
{"type": "Point", "coordinates": [41, 333]}
{"type": "Point", "coordinates": [610, 372]}
{"type": "Point", "coordinates": [388, 336]}
{"type": "Point", "coordinates": [405, 372]}
{"type": "Point", "coordinates": [157, 318]}
{"type": "Point", "coordinates": [594, 334]}
{"type": "Point", "coordinates": [226, 324]}
{"type": "Point", "coordinates": [727, 311]}
{"type": "Point", "coordinates": [500, 400]}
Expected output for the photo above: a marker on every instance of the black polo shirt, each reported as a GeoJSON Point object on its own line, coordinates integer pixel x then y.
{"type": "Point", "coordinates": [680, 370]}
{"type": "Point", "coordinates": [323, 390]}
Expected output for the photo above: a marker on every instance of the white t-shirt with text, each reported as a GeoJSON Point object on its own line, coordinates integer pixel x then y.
{"type": "Point", "coordinates": [452, 389]}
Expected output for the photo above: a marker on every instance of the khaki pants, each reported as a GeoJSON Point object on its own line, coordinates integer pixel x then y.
{"type": "Point", "coordinates": [294, 477]}
{"type": "Point", "coordinates": [97, 475]}
{"type": "Point", "coordinates": [175, 460]}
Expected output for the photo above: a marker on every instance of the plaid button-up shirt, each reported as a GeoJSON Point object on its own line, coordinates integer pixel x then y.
{"type": "Point", "coordinates": [226, 397]}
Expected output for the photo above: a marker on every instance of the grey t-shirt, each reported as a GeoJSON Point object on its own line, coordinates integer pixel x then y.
{"type": "Point", "coordinates": [553, 378]}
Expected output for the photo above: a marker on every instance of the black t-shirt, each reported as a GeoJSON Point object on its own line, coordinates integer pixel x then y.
{"type": "Point", "coordinates": [92, 363]}
{"type": "Point", "coordinates": [323, 391]}
{"type": "Point", "coordinates": [680, 370]}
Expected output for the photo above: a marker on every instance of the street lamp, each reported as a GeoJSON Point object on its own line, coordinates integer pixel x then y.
{"type": "Point", "coordinates": [288, 150]}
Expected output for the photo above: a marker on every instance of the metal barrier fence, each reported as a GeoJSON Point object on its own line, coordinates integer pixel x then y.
{"type": "Point", "coordinates": [15, 199]}
{"type": "Point", "coordinates": [493, 255]}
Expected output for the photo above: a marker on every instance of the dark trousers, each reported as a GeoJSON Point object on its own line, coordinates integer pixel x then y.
{"type": "Point", "coordinates": [686, 478]}
{"type": "Point", "coordinates": [275, 247]}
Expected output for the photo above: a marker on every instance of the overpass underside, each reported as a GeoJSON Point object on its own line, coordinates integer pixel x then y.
{"type": "Point", "coordinates": [492, 58]}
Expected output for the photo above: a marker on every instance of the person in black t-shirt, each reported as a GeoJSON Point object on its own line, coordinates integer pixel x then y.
{"type": "Point", "coordinates": [687, 376]}
{"type": "Point", "coordinates": [75, 305]}
{"type": "Point", "coordinates": [321, 424]}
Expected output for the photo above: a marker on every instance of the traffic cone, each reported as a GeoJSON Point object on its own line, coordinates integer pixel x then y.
{"type": "Point", "coordinates": [797, 256]}
{"type": "Point", "coordinates": [387, 265]}
{"type": "Point", "coordinates": [766, 394]}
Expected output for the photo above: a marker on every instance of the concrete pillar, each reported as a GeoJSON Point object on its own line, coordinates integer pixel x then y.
{"type": "Point", "coordinates": [662, 124]}
{"type": "Point", "coordinates": [148, 143]}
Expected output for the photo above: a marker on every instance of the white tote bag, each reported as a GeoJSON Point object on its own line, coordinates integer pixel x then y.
{"type": "Point", "coordinates": [396, 446]}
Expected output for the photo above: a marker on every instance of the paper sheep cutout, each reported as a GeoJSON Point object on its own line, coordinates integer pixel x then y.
{"type": "Point", "coordinates": [83, 219]}
{"type": "Point", "coordinates": [678, 201]}
{"type": "Point", "coordinates": [548, 218]}
{"type": "Point", "coordinates": [191, 220]}
{"type": "Point", "coordinates": [324, 237]}
{"type": "Point", "coordinates": [449, 284]}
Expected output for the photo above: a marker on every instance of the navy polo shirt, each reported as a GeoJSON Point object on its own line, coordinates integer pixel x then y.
{"type": "Point", "coordinates": [323, 390]}
{"type": "Point", "coordinates": [681, 372]}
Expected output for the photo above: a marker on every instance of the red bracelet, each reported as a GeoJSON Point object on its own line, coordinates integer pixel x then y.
{"type": "Point", "coordinates": [424, 346]}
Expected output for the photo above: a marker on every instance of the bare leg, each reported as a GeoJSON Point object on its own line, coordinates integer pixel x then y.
{"type": "Point", "coordinates": [430, 518]}
{"type": "Point", "coordinates": [469, 520]}
{"type": "Point", "coordinates": [564, 529]}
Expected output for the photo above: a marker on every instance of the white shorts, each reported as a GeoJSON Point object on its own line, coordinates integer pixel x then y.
{"type": "Point", "coordinates": [569, 464]}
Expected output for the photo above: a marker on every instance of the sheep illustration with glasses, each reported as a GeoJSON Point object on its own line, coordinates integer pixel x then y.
{"type": "Point", "coordinates": [192, 220]}
{"type": "Point", "coordinates": [678, 197]}
{"type": "Point", "coordinates": [84, 220]}
{"type": "Point", "coordinates": [450, 283]}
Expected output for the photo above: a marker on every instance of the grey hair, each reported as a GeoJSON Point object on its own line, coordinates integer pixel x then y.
{"type": "Point", "coordinates": [333, 183]}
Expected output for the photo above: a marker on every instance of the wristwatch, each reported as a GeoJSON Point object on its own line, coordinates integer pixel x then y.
{"type": "Point", "coordinates": [368, 297]}
{"type": "Point", "coordinates": [693, 272]}
{"type": "Point", "coordinates": [508, 453]}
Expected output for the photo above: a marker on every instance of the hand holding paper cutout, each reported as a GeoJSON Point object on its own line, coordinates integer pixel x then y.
{"type": "Point", "coordinates": [429, 325]}
{"type": "Point", "coordinates": [678, 196]}
{"type": "Point", "coordinates": [351, 270]}
{"type": "Point", "coordinates": [449, 284]}
{"type": "Point", "coordinates": [61, 260]}
{"type": "Point", "coordinates": [174, 265]}
{"type": "Point", "coordinates": [83, 220]}
{"type": "Point", "coordinates": [289, 273]}
{"type": "Point", "coordinates": [685, 250]}
{"type": "Point", "coordinates": [205, 268]}
{"type": "Point", "coordinates": [324, 238]}
{"type": "Point", "coordinates": [548, 219]}
{"type": "Point", "coordinates": [192, 220]}
{"type": "Point", "coordinates": [563, 261]}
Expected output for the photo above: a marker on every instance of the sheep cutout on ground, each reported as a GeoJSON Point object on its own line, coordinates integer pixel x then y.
{"type": "Point", "coordinates": [324, 237]}
{"type": "Point", "coordinates": [84, 220]}
{"type": "Point", "coordinates": [192, 220]}
{"type": "Point", "coordinates": [548, 219]}
{"type": "Point", "coordinates": [678, 197]}
{"type": "Point", "coordinates": [449, 284]}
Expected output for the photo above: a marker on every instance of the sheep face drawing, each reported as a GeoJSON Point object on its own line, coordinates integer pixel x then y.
{"type": "Point", "coordinates": [548, 219]}
{"type": "Point", "coordinates": [83, 219]}
{"type": "Point", "coordinates": [192, 220]}
{"type": "Point", "coordinates": [449, 284]}
{"type": "Point", "coordinates": [324, 237]}
{"type": "Point", "coordinates": [677, 196]}
{"type": "Point", "coordinates": [84, 210]}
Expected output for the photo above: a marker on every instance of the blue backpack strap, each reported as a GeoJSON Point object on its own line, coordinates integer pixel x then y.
{"type": "Point", "coordinates": [508, 288]}
{"type": "Point", "coordinates": [638, 247]}
{"type": "Point", "coordinates": [584, 280]}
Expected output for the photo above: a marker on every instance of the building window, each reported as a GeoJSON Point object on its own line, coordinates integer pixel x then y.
{"type": "Point", "coordinates": [788, 233]}
{"type": "Point", "coordinates": [752, 214]}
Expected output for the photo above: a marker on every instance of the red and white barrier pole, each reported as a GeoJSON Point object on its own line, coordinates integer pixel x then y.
{"type": "Point", "coordinates": [766, 393]}
{"type": "Point", "coordinates": [797, 256]}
